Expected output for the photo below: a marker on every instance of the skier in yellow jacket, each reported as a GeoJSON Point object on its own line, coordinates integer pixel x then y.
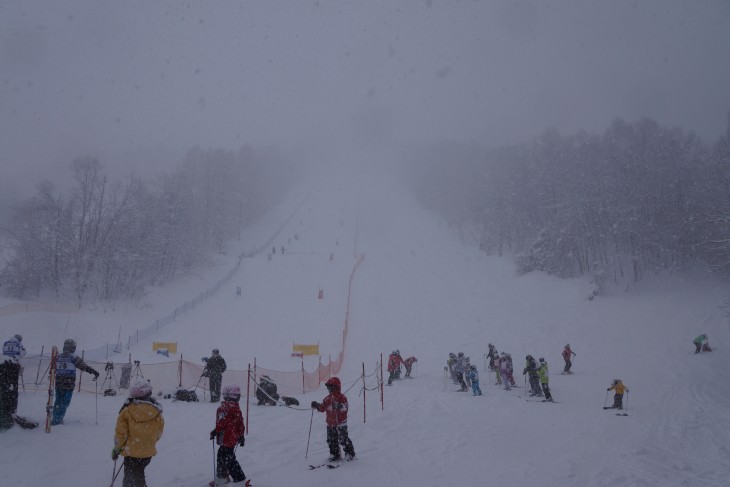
{"type": "Point", "coordinates": [618, 397]}
{"type": "Point", "coordinates": [139, 426]}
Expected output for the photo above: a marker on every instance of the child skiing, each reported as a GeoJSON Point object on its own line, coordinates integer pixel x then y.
{"type": "Point", "coordinates": [474, 378]}
{"type": "Point", "coordinates": [531, 370]}
{"type": "Point", "coordinates": [228, 433]}
{"type": "Point", "coordinates": [542, 372]}
{"type": "Point", "coordinates": [504, 371]}
{"type": "Point", "coordinates": [618, 397]}
{"type": "Point", "coordinates": [335, 407]}
{"type": "Point", "coordinates": [139, 426]}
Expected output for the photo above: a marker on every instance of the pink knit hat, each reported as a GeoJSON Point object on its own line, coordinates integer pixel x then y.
{"type": "Point", "coordinates": [140, 388]}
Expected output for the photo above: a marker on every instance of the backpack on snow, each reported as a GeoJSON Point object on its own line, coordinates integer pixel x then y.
{"type": "Point", "coordinates": [186, 395]}
{"type": "Point", "coordinates": [290, 401]}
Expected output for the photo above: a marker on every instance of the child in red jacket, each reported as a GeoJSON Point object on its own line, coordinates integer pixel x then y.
{"type": "Point", "coordinates": [335, 405]}
{"type": "Point", "coordinates": [228, 432]}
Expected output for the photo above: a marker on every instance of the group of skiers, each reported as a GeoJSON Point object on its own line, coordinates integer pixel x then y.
{"type": "Point", "coordinates": [395, 360]}
{"type": "Point", "coordinates": [536, 371]}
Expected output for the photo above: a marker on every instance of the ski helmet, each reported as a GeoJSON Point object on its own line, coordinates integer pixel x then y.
{"type": "Point", "coordinates": [215, 351]}
{"type": "Point", "coordinates": [19, 337]}
{"type": "Point", "coordinates": [232, 392]}
{"type": "Point", "coordinates": [69, 345]}
{"type": "Point", "coordinates": [140, 388]}
{"type": "Point", "coordinates": [541, 359]}
{"type": "Point", "coordinates": [266, 378]}
{"type": "Point", "coordinates": [333, 383]}
{"type": "Point", "coordinates": [529, 357]}
{"type": "Point", "coordinates": [452, 355]}
{"type": "Point", "coordinates": [567, 345]}
{"type": "Point", "coordinates": [461, 354]}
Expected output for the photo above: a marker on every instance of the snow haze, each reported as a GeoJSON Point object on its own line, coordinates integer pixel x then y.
{"type": "Point", "coordinates": [138, 83]}
{"type": "Point", "coordinates": [422, 290]}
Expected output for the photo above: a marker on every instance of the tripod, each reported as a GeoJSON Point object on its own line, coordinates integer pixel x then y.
{"type": "Point", "coordinates": [109, 369]}
{"type": "Point", "coordinates": [137, 372]}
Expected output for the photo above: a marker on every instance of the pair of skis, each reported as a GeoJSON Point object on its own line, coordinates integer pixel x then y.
{"type": "Point", "coordinates": [617, 414]}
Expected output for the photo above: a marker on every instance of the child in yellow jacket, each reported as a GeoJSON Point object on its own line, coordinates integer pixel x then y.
{"type": "Point", "coordinates": [618, 398]}
{"type": "Point", "coordinates": [139, 426]}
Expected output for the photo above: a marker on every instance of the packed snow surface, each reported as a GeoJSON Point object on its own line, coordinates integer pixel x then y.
{"type": "Point", "coordinates": [423, 290]}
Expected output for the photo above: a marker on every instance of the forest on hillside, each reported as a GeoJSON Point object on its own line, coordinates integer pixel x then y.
{"type": "Point", "coordinates": [103, 239]}
{"type": "Point", "coordinates": [637, 199]}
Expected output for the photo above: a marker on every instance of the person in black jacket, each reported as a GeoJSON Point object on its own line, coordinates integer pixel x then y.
{"type": "Point", "coordinates": [13, 351]}
{"type": "Point", "coordinates": [66, 365]}
{"type": "Point", "coordinates": [266, 392]}
{"type": "Point", "coordinates": [531, 371]}
{"type": "Point", "coordinates": [214, 370]}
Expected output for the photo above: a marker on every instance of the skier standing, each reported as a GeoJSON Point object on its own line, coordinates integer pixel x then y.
{"type": "Point", "coordinates": [10, 368]}
{"type": "Point", "coordinates": [473, 375]}
{"type": "Point", "coordinates": [510, 370]}
{"type": "Point", "coordinates": [542, 372]}
{"type": "Point", "coordinates": [215, 368]}
{"type": "Point", "coordinates": [497, 368]}
{"type": "Point", "coordinates": [451, 362]}
{"type": "Point", "coordinates": [394, 362]}
{"type": "Point", "coordinates": [504, 371]}
{"type": "Point", "coordinates": [460, 367]}
{"type": "Point", "coordinates": [66, 365]}
{"type": "Point", "coordinates": [618, 397]}
{"type": "Point", "coordinates": [13, 352]}
{"type": "Point", "coordinates": [335, 407]}
{"type": "Point", "coordinates": [531, 370]}
{"type": "Point", "coordinates": [567, 355]}
{"type": "Point", "coordinates": [228, 433]}
{"type": "Point", "coordinates": [490, 355]}
{"type": "Point", "coordinates": [139, 427]}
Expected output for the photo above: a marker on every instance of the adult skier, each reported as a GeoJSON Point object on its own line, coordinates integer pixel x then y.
{"type": "Point", "coordinates": [451, 362]}
{"type": "Point", "coordinates": [228, 432]}
{"type": "Point", "coordinates": [409, 364]}
{"type": "Point", "coordinates": [335, 406]}
{"type": "Point", "coordinates": [214, 370]}
{"type": "Point", "coordinates": [13, 352]}
{"type": "Point", "coordinates": [542, 372]}
{"type": "Point", "coordinates": [66, 365]}
{"type": "Point", "coordinates": [531, 370]}
{"type": "Point", "coordinates": [568, 354]}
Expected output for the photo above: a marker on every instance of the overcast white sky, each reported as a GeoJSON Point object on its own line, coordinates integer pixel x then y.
{"type": "Point", "coordinates": [134, 82]}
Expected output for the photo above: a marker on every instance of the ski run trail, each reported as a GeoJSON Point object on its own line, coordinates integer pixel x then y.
{"type": "Point", "coordinates": [423, 290]}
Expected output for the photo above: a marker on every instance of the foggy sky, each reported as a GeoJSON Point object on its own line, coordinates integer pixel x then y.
{"type": "Point", "coordinates": [137, 83]}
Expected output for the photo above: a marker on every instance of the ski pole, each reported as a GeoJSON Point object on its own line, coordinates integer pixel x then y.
{"type": "Point", "coordinates": [627, 400]}
{"type": "Point", "coordinates": [96, 402]}
{"type": "Point", "coordinates": [212, 442]}
{"type": "Point", "coordinates": [306, 454]}
{"type": "Point", "coordinates": [115, 472]}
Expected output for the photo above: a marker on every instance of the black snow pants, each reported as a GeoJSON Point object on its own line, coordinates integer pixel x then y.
{"type": "Point", "coordinates": [336, 436]}
{"type": "Point", "coordinates": [228, 465]}
{"type": "Point", "coordinates": [134, 471]}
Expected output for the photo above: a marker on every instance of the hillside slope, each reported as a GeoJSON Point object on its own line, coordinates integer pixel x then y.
{"type": "Point", "coordinates": [421, 291]}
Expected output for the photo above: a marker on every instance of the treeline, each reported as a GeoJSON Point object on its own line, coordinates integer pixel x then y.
{"type": "Point", "coordinates": [104, 240]}
{"type": "Point", "coordinates": [639, 198]}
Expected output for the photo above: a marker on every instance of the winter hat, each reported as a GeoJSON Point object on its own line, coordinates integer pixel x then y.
{"type": "Point", "coordinates": [232, 392]}
{"type": "Point", "coordinates": [140, 388]}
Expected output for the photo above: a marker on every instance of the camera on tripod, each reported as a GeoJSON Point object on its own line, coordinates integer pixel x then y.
{"type": "Point", "coordinates": [109, 366]}
{"type": "Point", "coordinates": [136, 362]}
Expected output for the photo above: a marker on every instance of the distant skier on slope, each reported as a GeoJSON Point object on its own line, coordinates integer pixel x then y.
{"type": "Point", "coordinates": [531, 370]}
{"type": "Point", "coordinates": [10, 366]}
{"type": "Point", "coordinates": [460, 368]}
{"type": "Point", "coordinates": [542, 372]}
{"type": "Point", "coordinates": [473, 375]}
{"type": "Point", "coordinates": [66, 366]}
{"type": "Point", "coordinates": [409, 364]}
{"type": "Point", "coordinates": [394, 361]}
{"type": "Point", "coordinates": [618, 397]}
{"type": "Point", "coordinates": [504, 371]}
{"type": "Point", "coordinates": [567, 356]}
{"type": "Point", "coordinates": [699, 341]}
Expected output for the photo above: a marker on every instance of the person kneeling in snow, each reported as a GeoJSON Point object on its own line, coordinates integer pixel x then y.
{"type": "Point", "coordinates": [335, 405]}
{"type": "Point", "coordinates": [139, 426]}
{"type": "Point", "coordinates": [228, 432]}
{"type": "Point", "coordinates": [409, 364]}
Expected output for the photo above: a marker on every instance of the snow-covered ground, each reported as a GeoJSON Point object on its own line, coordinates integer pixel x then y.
{"type": "Point", "coordinates": [421, 291]}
